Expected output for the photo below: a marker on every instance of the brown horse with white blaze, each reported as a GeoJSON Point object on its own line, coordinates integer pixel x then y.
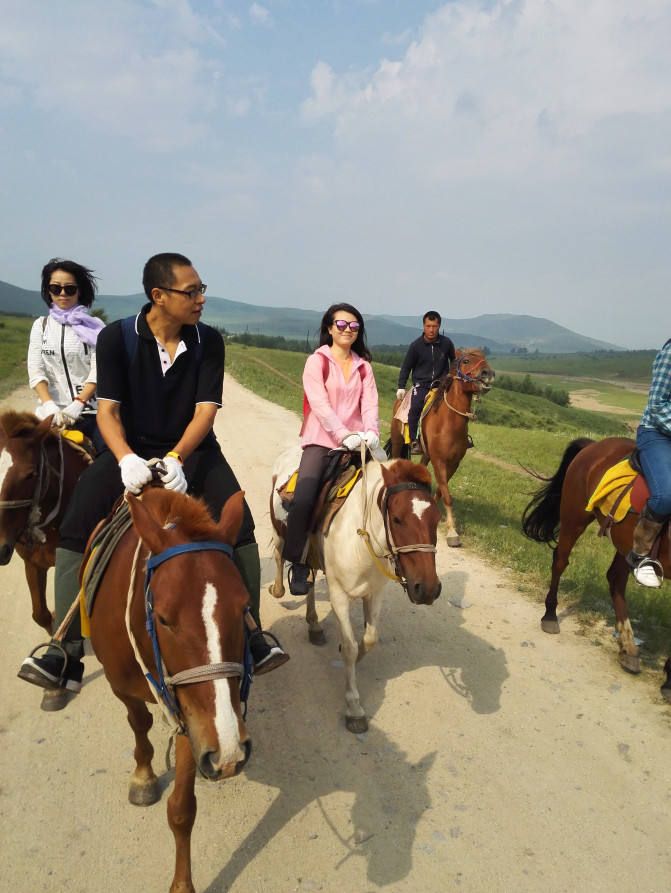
{"type": "Point", "coordinates": [557, 514]}
{"type": "Point", "coordinates": [39, 471]}
{"type": "Point", "coordinates": [444, 428]}
{"type": "Point", "coordinates": [193, 601]}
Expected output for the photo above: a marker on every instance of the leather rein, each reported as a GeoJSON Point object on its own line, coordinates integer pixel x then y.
{"type": "Point", "coordinates": [164, 685]}
{"type": "Point", "coordinates": [33, 530]}
{"type": "Point", "coordinates": [467, 378]}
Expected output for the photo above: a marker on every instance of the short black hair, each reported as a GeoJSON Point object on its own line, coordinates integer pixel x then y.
{"type": "Point", "coordinates": [433, 315]}
{"type": "Point", "coordinates": [159, 270]}
{"type": "Point", "coordinates": [359, 346]}
{"type": "Point", "coordinates": [86, 281]}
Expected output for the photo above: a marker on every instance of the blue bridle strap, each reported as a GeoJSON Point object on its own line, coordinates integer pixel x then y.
{"type": "Point", "coordinates": [153, 562]}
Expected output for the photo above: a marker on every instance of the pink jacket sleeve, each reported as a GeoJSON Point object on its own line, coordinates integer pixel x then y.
{"type": "Point", "coordinates": [369, 402]}
{"type": "Point", "coordinates": [318, 398]}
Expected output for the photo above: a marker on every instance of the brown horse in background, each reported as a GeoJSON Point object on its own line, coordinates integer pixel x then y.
{"type": "Point", "coordinates": [557, 514]}
{"type": "Point", "coordinates": [195, 601]}
{"type": "Point", "coordinates": [444, 428]}
{"type": "Point", "coordinates": [41, 470]}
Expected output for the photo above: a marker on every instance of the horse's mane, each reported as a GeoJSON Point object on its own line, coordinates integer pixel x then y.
{"type": "Point", "coordinates": [16, 423]}
{"type": "Point", "coordinates": [403, 470]}
{"type": "Point", "coordinates": [191, 515]}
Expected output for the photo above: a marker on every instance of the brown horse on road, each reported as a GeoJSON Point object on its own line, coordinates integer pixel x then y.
{"type": "Point", "coordinates": [557, 514]}
{"type": "Point", "coordinates": [193, 601]}
{"type": "Point", "coordinates": [444, 428]}
{"type": "Point", "coordinates": [41, 469]}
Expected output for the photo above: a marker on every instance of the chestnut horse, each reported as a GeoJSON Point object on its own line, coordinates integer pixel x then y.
{"type": "Point", "coordinates": [556, 514]}
{"type": "Point", "coordinates": [444, 428]}
{"type": "Point", "coordinates": [41, 468]}
{"type": "Point", "coordinates": [180, 628]}
{"type": "Point", "coordinates": [386, 529]}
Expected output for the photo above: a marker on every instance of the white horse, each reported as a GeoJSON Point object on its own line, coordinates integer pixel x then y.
{"type": "Point", "coordinates": [387, 529]}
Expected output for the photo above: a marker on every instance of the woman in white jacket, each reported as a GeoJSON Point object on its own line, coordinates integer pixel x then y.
{"type": "Point", "coordinates": [62, 348]}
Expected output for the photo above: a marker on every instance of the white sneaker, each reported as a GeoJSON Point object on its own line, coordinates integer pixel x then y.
{"type": "Point", "coordinates": [646, 573]}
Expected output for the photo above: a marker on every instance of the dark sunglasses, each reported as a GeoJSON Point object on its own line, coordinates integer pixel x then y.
{"type": "Point", "coordinates": [56, 289]}
{"type": "Point", "coordinates": [342, 324]}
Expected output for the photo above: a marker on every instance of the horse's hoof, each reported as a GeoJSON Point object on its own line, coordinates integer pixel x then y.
{"type": "Point", "coordinates": [454, 541]}
{"type": "Point", "coordinates": [182, 887]}
{"type": "Point", "coordinates": [56, 699]}
{"type": "Point", "coordinates": [278, 594]}
{"type": "Point", "coordinates": [630, 662]}
{"type": "Point", "coordinates": [144, 794]}
{"type": "Point", "coordinates": [666, 692]}
{"type": "Point", "coordinates": [550, 626]}
{"type": "Point", "coordinates": [316, 637]}
{"type": "Point", "coordinates": [356, 724]}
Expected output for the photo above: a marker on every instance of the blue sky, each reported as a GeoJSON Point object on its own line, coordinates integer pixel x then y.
{"type": "Point", "coordinates": [479, 157]}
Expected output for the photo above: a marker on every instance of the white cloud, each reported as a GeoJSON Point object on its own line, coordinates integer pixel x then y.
{"type": "Point", "coordinates": [260, 15]}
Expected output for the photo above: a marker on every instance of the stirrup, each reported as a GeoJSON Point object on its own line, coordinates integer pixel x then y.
{"type": "Point", "coordinates": [650, 573]}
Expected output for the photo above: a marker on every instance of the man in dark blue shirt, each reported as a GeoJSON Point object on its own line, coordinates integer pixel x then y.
{"type": "Point", "coordinates": [160, 380]}
{"type": "Point", "coordinates": [427, 360]}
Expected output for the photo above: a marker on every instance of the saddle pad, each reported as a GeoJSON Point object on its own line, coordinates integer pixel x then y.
{"type": "Point", "coordinates": [404, 408]}
{"type": "Point", "coordinates": [609, 495]}
{"type": "Point", "coordinates": [99, 550]}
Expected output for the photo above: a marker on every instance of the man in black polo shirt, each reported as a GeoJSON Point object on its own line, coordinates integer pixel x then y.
{"type": "Point", "coordinates": [428, 359]}
{"type": "Point", "coordinates": [160, 379]}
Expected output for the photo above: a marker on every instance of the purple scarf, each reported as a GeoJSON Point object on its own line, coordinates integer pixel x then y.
{"type": "Point", "coordinates": [86, 327]}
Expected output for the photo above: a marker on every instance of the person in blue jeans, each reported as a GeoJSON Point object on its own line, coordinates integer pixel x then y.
{"type": "Point", "coordinates": [653, 439]}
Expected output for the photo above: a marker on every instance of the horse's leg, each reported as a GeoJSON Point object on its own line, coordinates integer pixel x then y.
{"type": "Point", "coordinates": [144, 788]}
{"type": "Point", "coordinates": [355, 718]}
{"type": "Point", "coordinates": [182, 814]}
{"type": "Point", "coordinates": [36, 577]}
{"type": "Point", "coordinates": [443, 473]}
{"type": "Point", "coordinates": [666, 685]}
{"type": "Point", "coordinates": [276, 588]}
{"type": "Point", "coordinates": [565, 543]}
{"type": "Point", "coordinates": [372, 605]}
{"type": "Point", "coordinates": [617, 576]}
{"type": "Point", "coordinates": [315, 631]}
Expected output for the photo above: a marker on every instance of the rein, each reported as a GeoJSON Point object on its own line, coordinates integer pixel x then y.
{"type": "Point", "coordinates": [162, 683]}
{"type": "Point", "coordinates": [34, 529]}
{"type": "Point", "coordinates": [467, 378]}
{"type": "Point", "coordinates": [392, 555]}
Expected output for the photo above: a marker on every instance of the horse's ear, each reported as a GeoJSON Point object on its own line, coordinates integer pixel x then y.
{"type": "Point", "coordinates": [43, 428]}
{"type": "Point", "coordinates": [230, 519]}
{"type": "Point", "coordinates": [149, 530]}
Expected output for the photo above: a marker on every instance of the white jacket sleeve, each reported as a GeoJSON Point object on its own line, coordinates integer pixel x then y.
{"type": "Point", "coordinates": [36, 370]}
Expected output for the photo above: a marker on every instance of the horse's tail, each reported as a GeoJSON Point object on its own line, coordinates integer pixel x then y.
{"type": "Point", "coordinates": [405, 450]}
{"type": "Point", "coordinates": [387, 448]}
{"type": "Point", "coordinates": [540, 519]}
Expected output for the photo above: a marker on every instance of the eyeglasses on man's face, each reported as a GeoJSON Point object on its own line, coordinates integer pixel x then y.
{"type": "Point", "coordinates": [342, 325]}
{"type": "Point", "coordinates": [192, 294]}
{"type": "Point", "coordinates": [55, 289]}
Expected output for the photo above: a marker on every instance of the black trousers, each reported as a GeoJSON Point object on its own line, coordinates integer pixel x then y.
{"type": "Point", "coordinates": [208, 473]}
{"type": "Point", "coordinates": [419, 393]}
{"type": "Point", "coordinates": [310, 474]}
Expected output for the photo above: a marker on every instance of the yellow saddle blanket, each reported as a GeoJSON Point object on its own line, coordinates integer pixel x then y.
{"type": "Point", "coordinates": [616, 479]}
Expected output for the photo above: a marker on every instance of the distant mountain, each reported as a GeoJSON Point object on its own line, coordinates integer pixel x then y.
{"type": "Point", "coordinates": [499, 332]}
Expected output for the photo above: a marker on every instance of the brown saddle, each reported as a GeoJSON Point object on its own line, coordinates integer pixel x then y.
{"type": "Point", "coordinates": [100, 548]}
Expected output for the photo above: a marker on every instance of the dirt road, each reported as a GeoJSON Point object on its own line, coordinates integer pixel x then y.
{"type": "Point", "coordinates": [498, 758]}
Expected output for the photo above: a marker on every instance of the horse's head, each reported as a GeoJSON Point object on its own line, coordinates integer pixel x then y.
{"type": "Point", "coordinates": [472, 369]}
{"type": "Point", "coordinates": [412, 518]}
{"type": "Point", "coordinates": [21, 436]}
{"type": "Point", "coordinates": [199, 601]}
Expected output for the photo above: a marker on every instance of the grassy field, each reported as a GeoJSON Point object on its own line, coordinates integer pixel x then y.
{"type": "Point", "coordinates": [519, 430]}
{"type": "Point", "coordinates": [14, 333]}
{"type": "Point", "coordinates": [625, 366]}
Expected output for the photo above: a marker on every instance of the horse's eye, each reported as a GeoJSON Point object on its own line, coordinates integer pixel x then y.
{"type": "Point", "coordinates": [397, 520]}
{"type": "Point", "coordinates": [162, 620]}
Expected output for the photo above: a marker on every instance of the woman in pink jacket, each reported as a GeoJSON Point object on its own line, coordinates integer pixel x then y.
{"type": "Point", "coordinates": [341, 392]}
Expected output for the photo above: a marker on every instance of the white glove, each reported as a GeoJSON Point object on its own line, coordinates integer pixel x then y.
{"type": "Point", "coordinates": [400, 393]}
{"type": "Point", "coordinates": [72, 412]}
{"type": "Point", "coordinates": [372, 440]}
{"type": "Point", "coordinates": [135, 473]}
{"type": "Point", "coordinates": [352, 442]}
{"type": "Point", "coordinates": [46, 409]}
{"type": "Point", "coordinates": [173, 479]}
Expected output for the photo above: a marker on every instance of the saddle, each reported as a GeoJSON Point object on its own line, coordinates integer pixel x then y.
{"type": "Point", "coordinates": [339, 478]}
{"type": "Point", "coordinates": [621, 490]}
{"type": "Point", "coordinates": [404, 408]}
{"type": "Point", "coordinates": [99, 550]}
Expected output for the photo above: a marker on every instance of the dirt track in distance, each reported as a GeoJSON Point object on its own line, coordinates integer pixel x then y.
{"type": "Point", "coordinates": [498, 758]}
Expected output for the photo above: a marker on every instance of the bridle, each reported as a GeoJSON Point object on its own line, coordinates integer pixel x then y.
{"type": "Point", "coordinates": [468, 378]}
{"type": "Point", "coordinates": [383, 494]}
{"type": "Point", "coordinates": [33, 530]}
{"type": "Point", "coordinates": [164, 685]}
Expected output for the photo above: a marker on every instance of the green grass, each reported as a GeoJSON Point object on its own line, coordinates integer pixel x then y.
{"type": "Point", "coordinates": [489, 500]}
{"type": "Point", "coordinates": [14, 334]}
{"type": "Point", "coordinates": [630, 365]}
